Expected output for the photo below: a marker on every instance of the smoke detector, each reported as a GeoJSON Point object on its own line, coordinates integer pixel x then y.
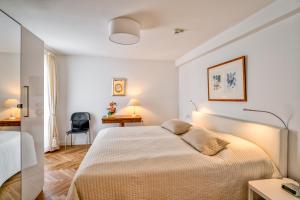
{"type": "Point", "coordinates": [178, 30]}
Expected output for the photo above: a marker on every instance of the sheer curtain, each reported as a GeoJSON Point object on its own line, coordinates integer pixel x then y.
{"type": "Point", "coordinates": [51, 142]}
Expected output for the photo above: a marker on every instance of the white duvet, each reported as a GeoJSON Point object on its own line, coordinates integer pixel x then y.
{"type": "Point", "coordinates": [150, 163]}
{"type": "Point", "coordinates": [10, 153]}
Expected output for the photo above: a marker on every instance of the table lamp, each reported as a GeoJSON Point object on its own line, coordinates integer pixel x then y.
{"type": "Point", "coordinates": [134, 103]}
{"type": "Point", "coordinates": [11, 104]}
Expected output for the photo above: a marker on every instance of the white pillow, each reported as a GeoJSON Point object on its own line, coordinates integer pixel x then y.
{"type": "Point", "coordinates": [176, 126]}
{"type": "Point", "coordinates": [204, 141]}
{"type": "Point", "coordinates": [213, 146]}
{"type": "Point", "coordinates": [196, 137]}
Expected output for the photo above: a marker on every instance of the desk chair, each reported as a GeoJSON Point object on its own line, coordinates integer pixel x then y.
{"type": "Point", "coordinates": [80, 123]}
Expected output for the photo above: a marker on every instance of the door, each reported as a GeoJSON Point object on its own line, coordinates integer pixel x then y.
{"type": "Point", "coordinates": [32, 116]}
{"type": "Point", "coordinates": [10, 145]}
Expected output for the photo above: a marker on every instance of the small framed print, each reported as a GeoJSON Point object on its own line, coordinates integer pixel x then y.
{"type": "Point", "coordinates": [119, 86]}
{"type": "Point", "coordinates": [227, 81]}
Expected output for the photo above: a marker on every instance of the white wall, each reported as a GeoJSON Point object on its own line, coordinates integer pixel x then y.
{"type": "Point", "coordinates": [9, 80]}
{"type": "Point", "coordinates": [273, 69]}
{"type": "Point", "coordinates": [85, 84]}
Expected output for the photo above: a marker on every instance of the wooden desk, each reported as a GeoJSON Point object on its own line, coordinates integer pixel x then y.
{"type": "Point", "coordinates": [121, 119]}
{"type": "Point", "coordinates": [9, 122]}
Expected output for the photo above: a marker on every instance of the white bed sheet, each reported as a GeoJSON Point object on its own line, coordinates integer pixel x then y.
{"type": "Point", "coordinates": [10, 153]}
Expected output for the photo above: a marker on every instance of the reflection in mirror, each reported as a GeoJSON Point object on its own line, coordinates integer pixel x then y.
{"type": "Point", "coordinates": [10, 147]}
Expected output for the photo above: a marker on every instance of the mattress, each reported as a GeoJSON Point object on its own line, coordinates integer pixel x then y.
{"type": "Point", "coordinates": [10, 153]}
{"type": "Point", "coordinates": [152, 163]}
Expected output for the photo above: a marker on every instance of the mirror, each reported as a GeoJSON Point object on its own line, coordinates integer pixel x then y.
{"type": "Point", "coordinates": [10, 145]}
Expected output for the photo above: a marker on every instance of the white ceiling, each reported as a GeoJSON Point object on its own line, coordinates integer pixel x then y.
{"type": "Point", "coordinates": [80, 26]}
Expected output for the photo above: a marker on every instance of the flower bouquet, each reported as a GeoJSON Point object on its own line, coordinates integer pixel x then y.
{"type": "Point", "coordinates": [112, 108]}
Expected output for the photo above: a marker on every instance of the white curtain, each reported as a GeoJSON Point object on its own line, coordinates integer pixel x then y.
{"type": "Point", "coordinates": [51, 86]}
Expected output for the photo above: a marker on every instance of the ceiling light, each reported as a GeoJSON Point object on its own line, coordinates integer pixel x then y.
{"type": "Point", "coordinates": [124, 31]}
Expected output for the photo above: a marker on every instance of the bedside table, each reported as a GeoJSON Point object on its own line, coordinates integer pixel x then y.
{"type": "Point", "coordinates": [270, 189]}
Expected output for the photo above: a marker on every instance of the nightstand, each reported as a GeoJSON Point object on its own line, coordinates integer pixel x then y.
{"type": "Point", "coordinates": [270, 189]}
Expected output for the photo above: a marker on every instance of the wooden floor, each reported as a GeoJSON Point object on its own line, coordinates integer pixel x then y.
{"type": "Point", "coordinates": [60, 167]}
{"type": "Point", "coordinates": [11, 189]}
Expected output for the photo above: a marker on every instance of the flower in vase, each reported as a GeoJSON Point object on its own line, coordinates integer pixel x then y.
{"type": "Point", "coordinates": [112, 108]}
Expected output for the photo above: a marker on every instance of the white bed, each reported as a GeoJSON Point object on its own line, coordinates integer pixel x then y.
{"type": "Point", "coordinates": [152, 163]}
{"type": "Point", "coordinates": [10, 153]}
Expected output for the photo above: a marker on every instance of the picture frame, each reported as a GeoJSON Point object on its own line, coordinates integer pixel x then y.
{"type": "Point", "coordinates": [119, 86]}
{"type": "Point", "coordinates": [227, 81]}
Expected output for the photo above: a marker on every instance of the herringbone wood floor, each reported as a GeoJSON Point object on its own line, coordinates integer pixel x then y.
{"type": "Point", "coordinates": [60, 167]}
{"type": "Point", "coordinates": [11, 189]}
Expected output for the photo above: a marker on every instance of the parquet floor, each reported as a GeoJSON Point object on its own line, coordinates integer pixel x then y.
{"type": "Point", "coordinates": [60, 167]}
{"type": "Point", "coordinates": [11, 189]}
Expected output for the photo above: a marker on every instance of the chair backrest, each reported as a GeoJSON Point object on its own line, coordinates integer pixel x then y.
{"type": "Point", "coordinates": [80, 120]}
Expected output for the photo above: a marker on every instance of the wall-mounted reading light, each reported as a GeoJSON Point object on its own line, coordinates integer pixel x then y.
{"type": "Point", "coordinates": [263, 111]}
{"type": "Point", "coordinates": [195, 107]}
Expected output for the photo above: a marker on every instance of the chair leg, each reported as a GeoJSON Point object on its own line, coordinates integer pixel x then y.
{"type": "Point", "coordinates": [87, 140]}
{"type": "Point", "coordinates": [90, 140]}
{"type": "Point", "coordinates": [71, 139]}
{"type": "Point", "coordinates": [66, 141]}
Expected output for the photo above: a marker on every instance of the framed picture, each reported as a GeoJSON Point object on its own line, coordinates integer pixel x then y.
{"type": "Point", "coordinates": [227, 81]}
{"type": "Point", "coordinates": [119, 86]}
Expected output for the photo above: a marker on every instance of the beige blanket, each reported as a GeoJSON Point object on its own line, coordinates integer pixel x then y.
{"type": "Point", "coordinates": [144, 163]}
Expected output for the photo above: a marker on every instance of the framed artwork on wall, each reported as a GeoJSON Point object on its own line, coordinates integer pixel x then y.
{"type": "Point", "coordinates": [227, 81]}
{"type": "Point", "coordinates": [119, 86]}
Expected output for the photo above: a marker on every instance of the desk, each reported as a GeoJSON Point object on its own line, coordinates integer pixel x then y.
{"type": "Point", "coordinates": [9, 122]}
{"type": "Point", "coordinates": [121, 119]}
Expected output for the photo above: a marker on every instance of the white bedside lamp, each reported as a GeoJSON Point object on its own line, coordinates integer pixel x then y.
{"type": "Point", "coordinates": [11, 104]}
{"type": "Point", "coordinates": [134, 103]}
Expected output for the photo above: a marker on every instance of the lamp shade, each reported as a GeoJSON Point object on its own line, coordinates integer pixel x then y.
{"type": "Point", "coordinates": [124, 31]}
{"type": "Point", "coordinates": [11, 103]}
{"type": "Point", "coordinates": [134, 102]}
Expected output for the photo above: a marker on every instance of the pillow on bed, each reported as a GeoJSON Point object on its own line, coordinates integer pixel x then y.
{"type": "Point", "coordinates": [214, 146]}
{"type": "Point", "coordinates": [204, 141]}
{"type": "Point", "coordinates": [176, 126]}
{"type": "Point", "coordinates": [196, 138]}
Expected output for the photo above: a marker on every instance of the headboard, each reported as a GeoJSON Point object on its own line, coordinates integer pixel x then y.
{"type": "Point", "coordinates": [272, 140]}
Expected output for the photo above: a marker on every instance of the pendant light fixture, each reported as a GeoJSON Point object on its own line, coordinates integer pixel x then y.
{"type": "Point", "coordinates": [124, 31]}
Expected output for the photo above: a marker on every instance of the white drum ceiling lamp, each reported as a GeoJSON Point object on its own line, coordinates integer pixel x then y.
{"type": "Point", "coordinates": [124, 31]}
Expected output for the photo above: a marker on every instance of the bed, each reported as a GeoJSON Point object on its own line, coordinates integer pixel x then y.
{"type": "Point", "coordinates": [153, 163]}
{"type": "Point", "coordinates": [10, 153]}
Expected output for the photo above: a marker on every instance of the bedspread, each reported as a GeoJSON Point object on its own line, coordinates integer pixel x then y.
{"type": "Point", "coordinates": [143, 163]}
